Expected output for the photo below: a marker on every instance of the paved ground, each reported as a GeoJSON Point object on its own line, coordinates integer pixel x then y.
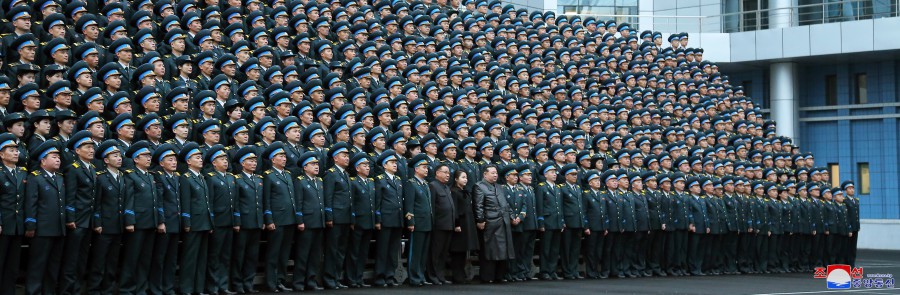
{"type": "Point", "coordinates": [871, 261]}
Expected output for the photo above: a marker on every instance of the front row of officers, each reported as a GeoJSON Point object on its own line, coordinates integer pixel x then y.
{"type": "Point", "coordinates": [127, 223]}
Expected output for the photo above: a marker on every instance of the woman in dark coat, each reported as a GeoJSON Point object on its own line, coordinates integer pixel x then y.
{"type": "Point", "coordinates": [466, 239]}
{"type": "Point", "coordinates": [495, 218]}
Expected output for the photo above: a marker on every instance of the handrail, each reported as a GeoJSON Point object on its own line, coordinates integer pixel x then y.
{"type": "Point", "coordinates": [752, 20]}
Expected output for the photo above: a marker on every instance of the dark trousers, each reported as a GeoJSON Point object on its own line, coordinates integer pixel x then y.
{"type": "Point", "coordinates": [245, 259]}
{"type": "Point", "coordinates": [550, 244]}
{"type": "Point", "coordinates": [628, 249]}
{"type": "Point", "coordinates": [744, 252]}
{"type": "Point", "coordinates": [388, 254]}
{"type": "Point", "coordinates": [774, 248]}
{"type": "Point", "coordinates": [278, 250]}
{"type": "Point", "coordinates": [695, 253]}
{"type": "Point", "coordinates": [440, 251]}
{"type": "Point", "coordinates": [729, 251]}
{"type": "Point", "coordinates": [656, 251]}
{"type": "Point", "coordinates": [336, 246]}
{"type": "Point", "coordinates": [77, 249]}
{"type": "Point", "coordinates": [593, 255]}
{"type": "Point", "coordinates": [818, 249]}
{"type": "Point", "coordinates": [762, 251]}
{"type": "Point", "coordinates": [611, 255]}
{"type": "Point", "coordinates": [676, 250]}
{"type": "Point", "coordinates": [358, 255]}
{"type": "Point", "coordinates": [104, 270]}
{"type": "Point", "coordinates": [713, 251]}
{"type": "Point", "coordinates": [804, 248]}
{"type": "Point", "coordinates": [492, 270]}
{"type": "Point", "coordinates": [524, 245]}
{"type": "Point", "coordinates": [162, 268]}
{"type": "Point", "coordinates": [419, 241]}
{"type": "Point", "coordinates": [308, 257]}
{"type": "Point", "coordinates": [193, 261]}
{"type": "Point", "coordinates": [10, 257]}
{"type": "Point", "coordinates": [639, 255]}
{"type": "Point", "coordinates": [219, 260]}
{"type": "Point", "coordinates": [135, 268]}
{"type": "Point", "coordinates": [571, 251]}
{"type": "Point", "coordinates": [851, 248]}
{"type": "Point", "coordinates": [44, 258]}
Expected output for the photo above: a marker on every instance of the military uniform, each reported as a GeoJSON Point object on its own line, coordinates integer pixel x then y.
{"type": "Point", "coordinates": [418, 212]}
{"type": "Point", "coordinates": [308, 249]}
{"type": "Point", "coordinates": [80, 180]}
{"type": "Point", "coordinates": [165, 251]}
{"type": "Point", "coordinates": [142, 200]}
{"type": "Point", "coordinates": [389, 213]}
{"type": "Point", "coordinates": [573, 210]}
{"type": "Point", "coordinates": [362, 191]}
{"type": "Point", "coordinates": [339, 211]}
{"type": "Point", "coordinates": [550, 216]}
{"type": "Point", "coordinates": [197, 221]}
{"type": "Point", "coordinates": [110, 216]}
{"type": "Point", "coordinates": [246, 248]}
{"type": "Point", "coordinates": [281, 211]}
{"type": "Point", "coordinates": [45, 216]}
{"type": "Point", "coordinates": [12, 201]}
{"type": "Point", "coordinates": [597, 220]}
{"type": "Point", "coordinates": [223, 199]}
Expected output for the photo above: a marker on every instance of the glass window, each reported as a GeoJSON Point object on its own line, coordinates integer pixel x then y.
{"type": "Point", "coordinates": [831, 90]}
{"type": "Point", "coordinates": [863, 180]}
{"type": "Point", "coordinates": [834, 170]}
{"type": "Point", "coordinates": [861, 92]}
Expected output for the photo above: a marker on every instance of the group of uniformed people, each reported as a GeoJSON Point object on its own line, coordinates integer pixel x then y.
{"type": "Point", "coordinates": [155, 147]}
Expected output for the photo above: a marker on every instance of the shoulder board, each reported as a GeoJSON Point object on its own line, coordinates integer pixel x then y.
{"type": "Point", "coordinates": [35, 173]}
{"type": "Point", "coordinates": [352, 178]}
{"type": "Point", "coordinates": [370, 179]}
{"type": "Point", "coordinates": [167, 55]}
{"type": "Point", "coordinates": [585, 191]}
{"type": "Point", "coordinates": [259, 144]}
{"type": "Point", "coordinates": [75, 164]}
{"type": "Point", "coordinates": [319, 178]}
{"type": "Point", "coordinates": [211, 174]}
{"type": "Point", "coordinates": [331, 169]}
{"type": "Point", "coordinates": [268, 171]}
{"type": "Point", "coordinates": [541, 184]}
{"type": "Point", "coordinates": [237, 176]}
{"type": "Point", "coordinates": [101, 172]}
{"type": "Point", "coordinates": [300, 177]}
{"type": "Point", "coordinates": [559, 185]}
{"type": "Point", "coordinates": [287, 171]}
{"type": "Point", "coordinates": [129, 171]}
{"type": "Point", "coordinates": [23, 169]}
{"type": "Point", "coordinates": [60, 174]}
{"type": "Point", "coordinates": [228, 148]}
{"type": "Point", "coordinates": [379, 176]}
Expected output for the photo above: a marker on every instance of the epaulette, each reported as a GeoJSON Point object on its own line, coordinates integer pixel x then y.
{"type": "Point", "coordinates": [259, 144]}
{"type": "Point", "coordinates": [129, 171]}
{"type": "Point", "coordinates": [211, 174]}
{"type": "Point", "coordinates": [23, 169]}
{"type": "Point", "coordinates": [177, 173]}
{"type": "Point", "coordinates": [319, 178]}
{"type": "Point", "coordinates": [36, 173]}
{"type": "Point", "coordinates": [101, 172]}
{"type": "Point", "coordinates": [300, 177]}
{"type": "Point", "coordinates": [167, 56]}
{"type": "Point", "coordinates": [379, 176]}
{"type": "Point", "coordinates": [559, 185]}
{"type": "Point", "coordinates": [353, 178]}
{"type": "Point", "coordinates": [370, 179]}
{"type": "Point", "coordinates": [585, 191]}
{"type": "Point", "coordinates": [331, 169]}
{"type": "Point", "coordinates": [541, 184]}
{"type": "Point", "coordinates": [237, 176]}
{"type": "Point", "coordinates": [268, 171]}
{"type": "Point", "coordinates": [228, 148]}
{"type": "Point", "coordinates": [75, 164]}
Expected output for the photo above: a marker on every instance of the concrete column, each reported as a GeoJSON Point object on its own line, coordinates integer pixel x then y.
{"type": "Point", "coordinates": [780, 14]}
{"type": "Point", "coordinates": [784, 108]}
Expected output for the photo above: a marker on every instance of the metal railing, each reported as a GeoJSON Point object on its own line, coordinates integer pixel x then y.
{"type": "Point", "coordinates": [829, 11]}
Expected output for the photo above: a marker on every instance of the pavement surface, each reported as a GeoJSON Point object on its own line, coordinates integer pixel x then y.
{"type": "Point", "coordinates": [873, 262]}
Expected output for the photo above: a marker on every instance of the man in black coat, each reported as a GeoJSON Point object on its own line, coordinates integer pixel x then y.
{"type": "Point", "coordinates": [44, 219]}
{"type": "Point", "coordinates": [338, 215]}
{"type": "Point", "coordinates": [143, 219]}
{"type": "Point", "coordinates": [250, 208]}
{"type": "Point", "coordinates": [12, 198]}
{"type": "Point", "coordinates": [495, 218]}
{"type": "Point", "coordinates": [80, 178]}
{"type": "Point", "coordinates": [443, 226]}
